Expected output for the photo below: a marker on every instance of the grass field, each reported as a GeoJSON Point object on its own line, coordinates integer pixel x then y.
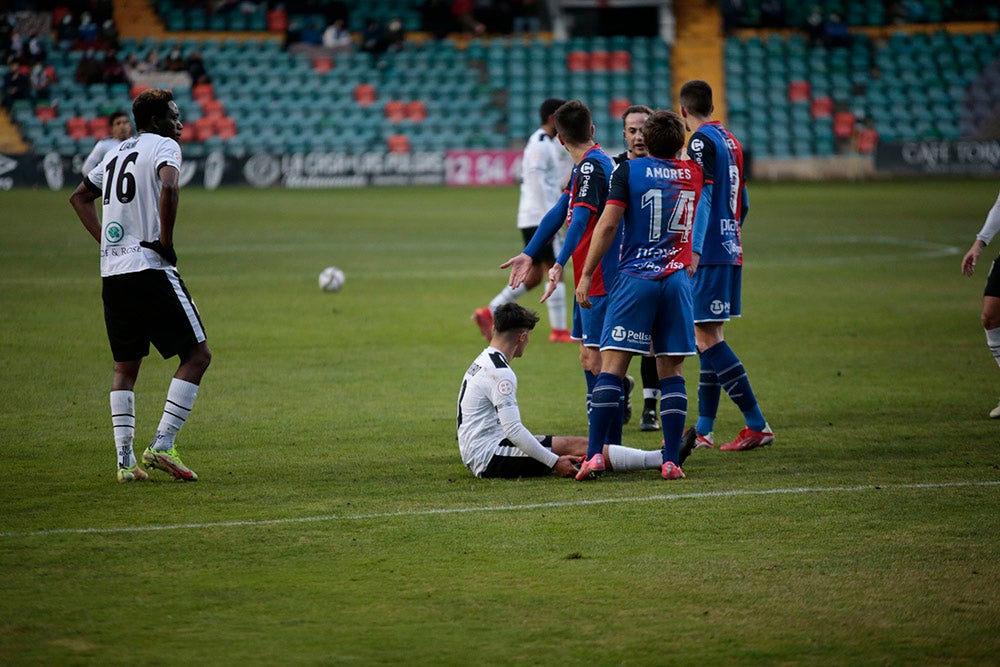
{"type": "Point", "coordinates": [333, 522]}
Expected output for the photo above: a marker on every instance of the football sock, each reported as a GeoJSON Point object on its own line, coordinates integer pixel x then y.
{"type": "Point", "coordinates": [625, 459]}
{"type": "Point", "coordinates": [591, 379]}
{"type": "Point", "coordinates": [557, 307]}
{"type": "Point", "coordinates": [673, 412]}
{"type": "Point", "coordinates": [733, 378]}
{"type": "Point", "coordinates": [123, 424]}
{"type": "Point", "coordinates": [604, 408]}
{"type": "Point", "coordinates": [650, 383]}
{"type": "Point", "coordinates": [180, 400]}
{"type": "Point", "coordinates": [508, 295]}
{"type": "Point", "coordinates": [615, 427]}
{"type": "Point", "coordinates": [993, 340]}
{"type": "Point", "coordinates": [709, 392]}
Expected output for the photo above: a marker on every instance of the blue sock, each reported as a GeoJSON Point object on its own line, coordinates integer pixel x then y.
{"type": "Point", "coordinates": [733, 378]}
{"type": "Point", "coordinates": [673, 412]}
{"type": "Point", "coordinates": [709, 392]}
{"type": "Point", "coordinates": [615, 427]}
{"type": "Point", "coordinates": [603, 410]}
{"type": "Point", "coordinates": [591, 379]}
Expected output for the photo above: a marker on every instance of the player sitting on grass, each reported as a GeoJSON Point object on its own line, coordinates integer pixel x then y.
{"type": "Point", "coordinates": [491, 437]}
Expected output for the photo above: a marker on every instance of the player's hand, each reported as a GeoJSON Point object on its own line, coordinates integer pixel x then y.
{"type": "Point", "coordinates": [582, 288]}
{"type": "Point", "coordinates": [567, 466]}
{"type": "Point", "coordinates": [971, 257]}
{"type": "Point", "coordinates": [555, 277]}
{"type": "Point", "coordinates": [520, 265]}
{"type": "Point", "coordinates": [693, 267]}
{"type": "Point", "coordinates": [167, 253]}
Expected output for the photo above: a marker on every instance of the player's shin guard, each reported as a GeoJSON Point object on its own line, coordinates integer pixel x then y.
{"type": "Point", "coordinates": [993, 340]}
{"type": "Point", "coordinates": [733, 378]}
{"type": "Point", "coordinates": [591, 379]}
{"type": "Point", "coordinates": [673, 412]}
{"type": "Point", "coordinates": [180, 402]}
{"type": "Point", "coordinates": [605, 408]}
{"type": "Point", "coordinates": [709, 392]}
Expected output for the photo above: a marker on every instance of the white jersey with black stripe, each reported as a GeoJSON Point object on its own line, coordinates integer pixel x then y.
{"type": "Point", "coordinates": [129, 182]}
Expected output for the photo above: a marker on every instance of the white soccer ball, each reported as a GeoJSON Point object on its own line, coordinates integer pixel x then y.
{"type": "Point", "coordinates": [331, 279]}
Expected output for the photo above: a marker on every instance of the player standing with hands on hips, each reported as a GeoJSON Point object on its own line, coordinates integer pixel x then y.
{"type": "Point", "coordinates": [991, 296]}
{"type": "Point", "coordinates": [145, 300]}
{"type": "Point", "coordinates": [718, 283]}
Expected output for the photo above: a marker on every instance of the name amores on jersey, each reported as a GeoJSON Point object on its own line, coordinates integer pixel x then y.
{"type": "Point", "coordinates": [669, 173]}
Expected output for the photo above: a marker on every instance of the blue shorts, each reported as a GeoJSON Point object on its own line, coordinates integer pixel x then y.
{"type": "Point", "coordinates": [589, 323]}
{"type": "Point", "coordinates": [641, 312]}
{"type": "Point", "coordinates": [717, 291]}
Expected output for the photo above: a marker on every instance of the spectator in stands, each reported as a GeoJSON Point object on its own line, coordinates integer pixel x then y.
{"type": "Point", "coordinates": [435, 18]}
{"type": "Point", "coordinates": [88, 70]}
{"type": "Point", "coordinates": [835, 34]}
{"type": "Point", "coordinates": [112, 70]}
{"type": "Point", "coordinates": [175, 62]}
{"type": "Point", "coordinates": [66, 33]}
{"type": "Point", "coordinates": [88, 31]}
{"type": "Point", "coordinates": [35, 49]}
{"type": "Point", "coordinates": [527, 16]}
{"type": "Point", "coordinates": [196, 68]}
{"type": "Point", "coordinates": [464, 18]}
{"type": "Point", "coordinates": [16, 83]}
{"type": "Point", "coordinates": [337, 38]}
{"type": "Point", "coordinates": [109, 36]}
{"type": "Point", "coordinates": [149, 64]}
{"type": "Point", "coordinates": [373, 38]}
{"type": "Point", "coordinates": [42, 77]}
{"type": "Point", "coordinates": [395, 34]}
{"type": "Point", "coordinates": [814, 26]}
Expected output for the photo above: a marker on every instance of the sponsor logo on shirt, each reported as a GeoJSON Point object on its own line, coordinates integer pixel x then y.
{"type": "Point", "coordinates": [506, 387]}
{"type": "Point", "coordinates": [114, 232]}
{"type": "Point", "coordinates": [697, 145]}
{"type": "Point", "coordinates": [718, 307]}
{"type": "Point", "coordinates": [620, 333]}
{"type": "Point", "coordinates": [586, 168]}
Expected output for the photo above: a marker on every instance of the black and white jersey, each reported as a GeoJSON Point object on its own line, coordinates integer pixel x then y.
{"type": "Point", "coordinates": [129, 183]}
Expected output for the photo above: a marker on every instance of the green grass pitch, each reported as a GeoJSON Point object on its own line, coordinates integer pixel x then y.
{"type": "Point", "coordinates": [333, 522]}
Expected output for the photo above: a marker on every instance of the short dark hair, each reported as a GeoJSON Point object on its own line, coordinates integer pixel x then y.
{"type": "Point", "coordinates": [115, 115]}
{"type": "Point", "coordinates": [513, 316]}
{"type": "Point", "coordinates": [151, 103]}
{"type": "Point", "coordinates": [636, 108]}
{"type": "Point", "coordinates": [549, 107]}
{"type": "Point", "coordinates": [664, 134]}
{"type": "Point", "coordinates": [573, 122]}
{"type": "Point", "coordinates": [696, 97]}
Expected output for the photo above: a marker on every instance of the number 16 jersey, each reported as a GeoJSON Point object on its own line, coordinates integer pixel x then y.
{"type": "Point", "coordinates": [128, 183]}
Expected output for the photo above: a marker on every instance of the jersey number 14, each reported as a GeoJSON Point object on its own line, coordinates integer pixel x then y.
{"type": "Point", "coordinates": [681, 218]}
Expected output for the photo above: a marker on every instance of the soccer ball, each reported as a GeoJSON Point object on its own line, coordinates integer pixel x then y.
{"type": "Point", "coordinates": [331, 279]}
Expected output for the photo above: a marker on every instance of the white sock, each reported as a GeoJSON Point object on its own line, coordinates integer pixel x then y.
{"type": "Point", "coordinates": [624, 459]}
{"type": "Point", "coordinates": [557, 307]}
{"type": "Point", "coordinates": [180, 400]}
{"type": "Point", "coordinates": [993, 340]}
{"type": "Point", "coordinates": [123, 423]}
{"type": "Point", "coordinates": [507, 295]}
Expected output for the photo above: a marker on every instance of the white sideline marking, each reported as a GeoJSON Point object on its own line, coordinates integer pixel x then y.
{"type": "Point", "coordinates": [495, 508]}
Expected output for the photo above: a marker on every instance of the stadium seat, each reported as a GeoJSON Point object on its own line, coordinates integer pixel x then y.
{"type": "Point", "coordinates": [395, 111]}
{"type": "Point", "coordinates": [577, 61]}
{"type": "Point", "coordinates": [398, 143]}
{"type": "Point", "coordinates": [416, 110]}
{"type": "Point", "coordinates": [798, 91]}
{"type": "Point", "coordinates": [365, 94]}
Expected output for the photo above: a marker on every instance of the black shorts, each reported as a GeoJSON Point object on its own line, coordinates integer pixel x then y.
{"type": "Point", "coordinates": [993, 279]}
{"type": "Point", "coordinates": [547, 255]}
{"type": "Point", "coordinates": [151, 306]}
{"type": "Point", "coordinates": [511, 467]}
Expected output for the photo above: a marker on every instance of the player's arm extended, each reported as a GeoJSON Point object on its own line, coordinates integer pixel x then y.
{"type": "Point", "coordinates": [515, 431]}
{"type": "Point", "coordinates": [548, 226]}
{"type": "Point", "coordinates": [82, 201]}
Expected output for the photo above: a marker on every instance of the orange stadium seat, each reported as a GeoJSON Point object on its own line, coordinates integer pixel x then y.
{"type": "Point", "coordinates": [621, 61]}
{"type": "Point", "coordinates": [137, 89]}
{"type": "Point", "coordinates": [98, 127]}
{"type": "Point", "coordinates": [45, 113]}
{"type": "Point", "coordinates": [213, 108]}
{"type": "Point", "coordinates": [577, 61]}
{"type": "Point", "coordinates": [798, 91]}
{"type": "Point", "coordinates": [416, 110]}
{"type": "Point", "coordinates": [364, 94]}
{"type": "Point", "coordinates": [188, 133]}
{"type": "Point", "coordinates": [395, 110]}
{"type": "Point", "coordinates": [398, 143]}
{"type": "Point", "coordinates": [202, 92]}
{"type": "Point", "coordinates": [277, 20]}
{"type": "Point", "coordinates": [76, 127]}
{"type": "Point", "coordinates": [618, 105]}
{"type": "Point", "coordinates": [225, 128]}
{"type": "Point", "coordinates": [867, 140]}
{"type": "Point", "coordinates": [843, 124]}
{"type": "Point", "coordinates": [599, 61]}
{"type": "Point", "coordinates": [323, 65]}
{"type": "Point", "coordinates": [822, 107]}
